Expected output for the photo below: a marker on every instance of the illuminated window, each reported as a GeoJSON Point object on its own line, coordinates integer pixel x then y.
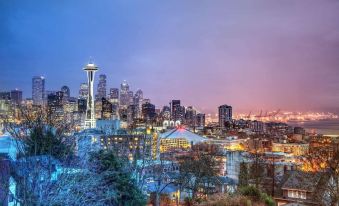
{"type": "Point", "coordinates": [297, 194]}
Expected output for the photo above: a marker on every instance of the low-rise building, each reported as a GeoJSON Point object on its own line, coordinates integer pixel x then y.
{"type": "Point", "coordinates": [298, 149]}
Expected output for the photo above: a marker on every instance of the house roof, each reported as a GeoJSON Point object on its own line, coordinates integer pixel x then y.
{"type": "Point", "coordinates": [9, 145]}
{"type": "Point", "coordinates": [166, 189]}
{"type": "Point", "coordinates": [299, 180]}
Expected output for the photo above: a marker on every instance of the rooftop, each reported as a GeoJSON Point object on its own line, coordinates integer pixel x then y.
{"type": "Point", "coordinates": [182, 133]}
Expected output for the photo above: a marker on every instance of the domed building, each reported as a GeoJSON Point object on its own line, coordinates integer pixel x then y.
{"type": "Point", "coordinates": [179, 138]}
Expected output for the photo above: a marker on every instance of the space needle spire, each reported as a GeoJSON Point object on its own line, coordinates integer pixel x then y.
{"type": "Point", "coordinates": [90, 121]}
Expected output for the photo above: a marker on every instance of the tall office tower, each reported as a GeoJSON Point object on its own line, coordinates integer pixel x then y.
{"type": "Point", "coordinates": [54, 100]}
{"type": "Point", "coordinates": [131, 114]}
{"type": "Point", "coordinates": [83, 92]}
{"type": "Point", "coordinates": [175, 104]}
{"type": "Point", "coordinates": [5, 95]}
{"type": "Point", "coordinates": [225, 115]}
{"type": "Point", "coordinates": [38, 90]}
{"type": "Point", "coordinates": [101, 90]}
{"type": "Point", "coordinates": [107, 109]}
{"type": "Point", "coordinates": [200, 120]}
{"type": "Point", "coordinates": [16, 96]}
{"type": "Point", "coordinates": [148, 112]}
{"type": "Point", "coordinates": [90, 121]}
{"type": "Point", "coordinates": [130, 97]}
{"type": "Point", "coordinates": [177, 111]}
{"type": "Point", "coordinates": [137, 101]}
{"type": "Point", "coordinates": [66, 92]}
{"type": "Point", "coordinates": [144, 101]}
{"type": "Point", "coordinates": [114, 95]}
{"type": "Point", "coordinates": [82, 105]}
{"type": "Point", "coordinates": [55, 105]}
{"type": "Point", "coordinates": [190, 116]}
{"type": "Point", "coordinates": [5, 101]}
{"type": "Point", "coordinates": [124, 96]}
{"type": "Point", "coordinates": [166, 113]}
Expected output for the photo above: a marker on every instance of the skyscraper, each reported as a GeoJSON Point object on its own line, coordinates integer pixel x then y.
{"type": "Point", "coordinates": [200, 120]}
{"type": "Point", "coordinates": [124, 95]}
{"type": "Point", "coordinates": [225, 115]}
{"type": "Point", "coordinates": [137, 101]}
{"type": "Point", "coordinates": [114, 95]}
{"type": "Point", "coordinates": [90, 122]}
{"type": "Point", "coordinates": [177, 111]}
{"type": "Point", "coordinates": [190, 116]}
{"type": "Point", "coordinates": [83, 92]}
{"type": "Point", "coordinates": [54, 101]}
{"type": "Point", "coordinates": [107, 109]}
{"type": "Point", "coordinates": [66, 91]}
{"type": "Point", "coordinates": [16, 96]}
{"type": "Point", "coordinates": [5, 95]}
{"type": "Point", "coordinates": [166, 113]}
{"type": "Point", "coordinates": [101, 90]}
{"type": "Point", "coordinates": [148, 112]}
{"type": "Point", "coordinates": [114, 99]}
{"type": "Point", "coordinates": [38, 90]}
{"type": "Point", "coordinates": [130, 97]}
{"type": "Point", "coordinates": [82, 105]}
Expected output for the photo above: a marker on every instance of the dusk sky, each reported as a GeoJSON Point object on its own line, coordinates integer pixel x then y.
{"type": "Point", "coordinates": [249, 54]}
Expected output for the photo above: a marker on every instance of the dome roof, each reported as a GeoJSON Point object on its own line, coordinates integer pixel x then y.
{"type": "Point", "coordinates": [182, 133]}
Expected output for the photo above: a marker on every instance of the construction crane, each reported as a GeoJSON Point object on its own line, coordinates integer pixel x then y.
{"type": "Point", "coordinates": [260, 114]}
{"type": "Point", "coordinates": [249, 115]}
{"type": "Point", "coordinates": [275, 113]}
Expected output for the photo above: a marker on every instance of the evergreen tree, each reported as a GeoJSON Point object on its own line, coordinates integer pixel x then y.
{"type": "Point", "coordinates": [115, 173]}
{"type": "Point", "coordinates": [243, 174]}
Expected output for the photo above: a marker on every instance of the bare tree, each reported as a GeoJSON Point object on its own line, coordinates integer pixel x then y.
{"type": "Point", "coordinates": [325, 160]}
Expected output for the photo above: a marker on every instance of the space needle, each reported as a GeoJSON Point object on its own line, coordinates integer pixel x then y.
{"type": "Point", "coordinates": [90, 121]}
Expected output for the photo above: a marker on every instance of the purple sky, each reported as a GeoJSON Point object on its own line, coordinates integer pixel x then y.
{"type": "Point", "coordinates": [250, 54]}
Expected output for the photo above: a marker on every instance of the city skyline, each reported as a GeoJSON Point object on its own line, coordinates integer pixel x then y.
{"type": "Point", "coordinates": [288, 63]}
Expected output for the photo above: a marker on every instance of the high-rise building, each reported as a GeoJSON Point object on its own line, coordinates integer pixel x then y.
{"type": "Point", "coordinates": [82, 105]}
{"type": "Point", "coordinates": [200, 120]}
{"type": "Point", "coordinates": [16, 96]}
{"type": "Point", "coordinates": [137, 101]}
{"type": "Point", "coordinates": [83, 92]}
{"type": "Point", "coordinates": [124, 95]}
{"type": "Point", "coordinates": [38, 90]}
{"type": "Point", "coordinates": [107, 109]}
{"type": "Point", "coordinates": [55, 103]}
{"type": "Point", "coordinates": [130, 97]}
{"type": "Point", "coordinates": [177, 111]}
{"type": "Point", "coordinates": [166, 113]}
{"type": "Point", "coordinates": [131, 113]}
{"type": "Point", "coordinates": [5, 95]}
{"type": "Point", "coordinates": [114, 95]}
{"type": "Point", "coordinates": [148, 112]}
{"type": "Point", "coordinates": [90, 121]}
{"type": "Point", "coordinates": [66, 93]}
{"type": "Point", "coordinates": [101, 90]}
{"type": "Point", "coordinates": [190, 116]}
{"type": "Point", "coordinates": [225, 115]}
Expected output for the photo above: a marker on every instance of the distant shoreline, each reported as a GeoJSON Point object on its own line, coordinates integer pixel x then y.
{"type": "Point", "coordinates": [329, 127]}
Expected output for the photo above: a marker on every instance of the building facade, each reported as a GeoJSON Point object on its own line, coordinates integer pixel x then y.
{"type": "Point", "coordinates": [38, 90]}
{"type": "Point", "coordinates": [225, 115]}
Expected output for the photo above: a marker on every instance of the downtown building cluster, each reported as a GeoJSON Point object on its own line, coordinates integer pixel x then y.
{"type": "Point", "coordinates": [122, 104]}
{"type": "Point", "coordinates": [124, 121]}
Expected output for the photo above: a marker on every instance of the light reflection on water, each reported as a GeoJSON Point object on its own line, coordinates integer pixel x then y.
{"type": "Point", "coordinates": [326, 127]}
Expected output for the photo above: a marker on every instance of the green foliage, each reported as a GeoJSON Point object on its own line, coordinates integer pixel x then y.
{"type": "Point", "coordinates": [115, 175]}
{"type": "Point", "coordinates": [256, 194]}
{"type": "Point", "coordinates": [267, 199]}
{"type": "Point", "coordinates": [250, 191]}
{"type": "Point", "coordinates": [44, 141]}
{"type": "Point", "coordinates": [243, 175]}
